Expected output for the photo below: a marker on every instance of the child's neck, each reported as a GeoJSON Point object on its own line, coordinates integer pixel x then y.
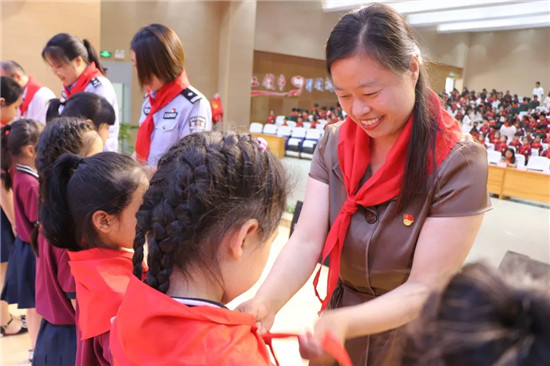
{"type": "Point", "coordinates": [195, 285]}
{"type": "Point", "coordinates": [25, 160]}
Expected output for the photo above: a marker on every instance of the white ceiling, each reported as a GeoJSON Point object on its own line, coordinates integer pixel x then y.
{"type": "Point", "coordinates": [449, 16]}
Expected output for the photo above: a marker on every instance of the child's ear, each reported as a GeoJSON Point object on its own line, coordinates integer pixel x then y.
{"type": "Point", "coordinates": [103, 222]}
{"type": "Point", "coordinates": [245, 236]}
{"type": "Point", "coordinates": [29, 150]}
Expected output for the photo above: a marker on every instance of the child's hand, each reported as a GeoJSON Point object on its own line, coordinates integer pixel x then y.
{"type": "Point", "coordinates": [262, 313]}
{"type": "Point", "coordinates": [311, 344]}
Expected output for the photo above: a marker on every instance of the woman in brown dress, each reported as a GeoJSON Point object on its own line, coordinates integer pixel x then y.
{"type": "Point", "coordinates": [395, 195]}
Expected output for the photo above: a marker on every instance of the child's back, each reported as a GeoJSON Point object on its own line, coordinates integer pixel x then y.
{"type": "Point", "coordinates": [209, 218]}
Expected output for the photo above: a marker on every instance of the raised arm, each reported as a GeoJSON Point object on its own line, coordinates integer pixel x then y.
{"type": "Point", "coordinates": [297, 260]}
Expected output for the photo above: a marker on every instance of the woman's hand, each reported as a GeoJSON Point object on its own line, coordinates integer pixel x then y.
{"type": "Point", "coordinates": [311, 344]}
{"type": "Point", "coordinates": [262, 311]}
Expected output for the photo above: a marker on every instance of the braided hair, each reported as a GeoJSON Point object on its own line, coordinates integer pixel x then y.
{"type": "Point", "coordinates": [205, 185]}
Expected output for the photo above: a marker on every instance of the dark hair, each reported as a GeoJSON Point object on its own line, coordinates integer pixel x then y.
{"type": "Point", "coordinates": [64, 47]}
{"type": "Point", "coordinates": [10, 67]}
{"type": "Point", "coordinates": [14, 137]}
{"type": "Point", "coordinates": [382, 33]}
{"type": "Point", "coordinates": [77, 187]}
{"type": "Point", "coordinates": [480, 319]}
{"type": "Point", "coordinates": [10, 90]}
{"type": "Point", "coordinates": [61, 135]}
{"type": "Point", "coordinates": [84, 105]}
{"type": "Point", "coordinates": [513, 160]}
{"type": "Point", "coordinates": [159, 52]}
{"type": "Point", "coordinates": [206, 185]}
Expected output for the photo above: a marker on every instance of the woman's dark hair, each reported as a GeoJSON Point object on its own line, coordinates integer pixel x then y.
{"type": "Point", "coordinates": [513, 159]}
{"type": "Point", "coordinates": [14, 137]}
{"type": "Point", "coordinates": [77, 187]}
{"type": "Point", "coordinates": [206, 185]}
{"type": "Point", "coordinates": [84, 105]}
{"type": "Point", "coordinates": [10, 90]}
{"type": "Point", "coordinates": [481, 319]}
{"type": "Point", "coordinates": [382, 33]}
{"type": "Point", "coordinates": [159, 52]}
{"type": "Point", "coordinates": [64, 47]}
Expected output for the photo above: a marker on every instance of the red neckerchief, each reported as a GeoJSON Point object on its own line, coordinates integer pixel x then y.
{"type": "Point", "coordinates": [330, 345]}
{"type": "Point", "coordinates": [101, 277]}
{"type": "Point", "coordinates": [162, 97]}
{"type": "Point", "coordinates": [32, 87]}
{"type": "Point", "coordinates": [83, 80]}
{"type": "Point", "coordinates": [151, 328]}
{"type": "Point", "coordinates": [382, 186]}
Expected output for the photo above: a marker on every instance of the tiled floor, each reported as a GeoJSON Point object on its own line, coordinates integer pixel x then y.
{"type": "Point", "coordinates": [511, 225]}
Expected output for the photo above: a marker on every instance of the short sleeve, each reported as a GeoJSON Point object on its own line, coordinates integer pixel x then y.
{"type": "Point", "coordinates": [324, 153]}
{"type": "Point", "coordinates": [30, 199]}
{"type": "Point", "coordinates": [64, 276]}
{"type": "Point", "coordinates": [461, 183]}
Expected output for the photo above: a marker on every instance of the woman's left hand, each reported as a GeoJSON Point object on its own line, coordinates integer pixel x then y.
{"type": "Point", "coordinates": [311, 344]}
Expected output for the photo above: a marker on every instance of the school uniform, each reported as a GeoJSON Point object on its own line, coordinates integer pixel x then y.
{"type": "Point", "coordinates": [93, 81]}
{"type": "Point", "coordinates": [378, 248]}
{"type": "Point", "coordinates": [538, 146]}
{"type": "Point", "coordinates": [101, 277]}
{"type": "Point", "coordinates": [187, 112]}
{"type": "Point", "coordinates": [152, 328]}
{"type": "Point", "coordinates": [55, 287]}
{"type": "Point", "coordinates": [516, 144]}
{"type": "Point", "coordinates": [525, 150]}
{"type": "Point", "coordinates": [35, 101]}
{"type": "Point", "coordinates": [500, 146]}
{"type": "Point", "coordinates": [7, 238]}
{"type": "Point", "coordinates": [19, 283]}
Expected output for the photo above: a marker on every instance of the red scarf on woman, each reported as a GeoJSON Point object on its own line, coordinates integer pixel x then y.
{"type": "Point", "coordinates": [162, 97]}
{"type": "Point", "coordinates": [32, 87]}
{"type": "Point", "coordinates": [83, 80]}
{"type": "Point", "coordinates": [382, 186]}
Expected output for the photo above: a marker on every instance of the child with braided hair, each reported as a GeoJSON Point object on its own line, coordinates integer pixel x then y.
{"type": "Point", "coordinates": [209, 218]}
{"type": "Point", "coordinates": [89, 207]}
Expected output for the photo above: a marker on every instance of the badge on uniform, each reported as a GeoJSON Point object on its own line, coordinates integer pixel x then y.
{"type": "Point", "coordinates": [147, 110]}
{"type": "Point", "coordinates": [197, 122]}
{"type": "Point", "coordinates": [408, 219]}
{"type": "Point", "coordinates": [95, 82]}
{"type": "Point", "coordinates": [170, 114]}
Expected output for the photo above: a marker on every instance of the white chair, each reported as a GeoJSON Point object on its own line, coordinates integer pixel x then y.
{"type": "Point", "coordinates": [308, 147]}
{"type": "Point", "coordinates": [307, 125]}
{"type": "Point", "coordinates": [538, 163]}
{"type": "Point", "coordinates": [279, 120]}
{"type": "Point", "coordinates": [520, 160]}
{"type": "Point", "coordinates": [291, 124]}
{"type": "Point", "coordinates": [294, 143]}
{"type": "Point", "coordinates": [513, 148]}
{"type": "Point", "coordinates": [270, 129]}
{"type": "Point", "coordinates": [284, 131]}
{"type": "Point", "coordinates": [313, 135]}
{"type": "Point", "coordinates": [534, 152]}
{"type": "Point", "coordinates": [490, 146]}
{"type": "Point", "coordinates": [493, 157]}
{"type": "Point", "coordinates": [256, 127]}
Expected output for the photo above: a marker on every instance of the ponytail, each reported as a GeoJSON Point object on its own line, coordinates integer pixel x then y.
{"type": "Point", "coordinates": [53, 109]}
{"type": "Point", "coordinates": [5, 158]}
{"type": "Point", "coordinates": [55, 215]}
{"type": "Point", "coordinates": [92, 56]}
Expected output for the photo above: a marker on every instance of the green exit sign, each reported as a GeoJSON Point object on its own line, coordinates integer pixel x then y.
{"type": "Point", "coordinates": [105, 54]}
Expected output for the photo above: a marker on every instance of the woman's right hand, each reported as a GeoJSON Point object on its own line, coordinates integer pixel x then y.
{"type": "Point", "coordinates": [262, 311]}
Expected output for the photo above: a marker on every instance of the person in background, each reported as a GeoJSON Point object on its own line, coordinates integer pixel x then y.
{"type": "Point", "coordinates": [173, 108]}
{"type": "Point", "coordinates": [271, 118]}
{"type": "Point", "coordinates": [538, 90]}
{"type": "Point", "coordinates": [509, 158]}
{"type": "Point", "coordinates": [11, 96]}
{"type": "Point", "coordinates": [35, 96]}
{"type": "Point", "coordinates": [77, 65]}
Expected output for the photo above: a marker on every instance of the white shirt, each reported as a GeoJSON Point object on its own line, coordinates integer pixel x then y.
{"type": "Point", "coordinates": [546, 102]}
{"type": "Point", "coordinates": [102, 86]}
{"type": "Point", "coordinates": [39, 104]}
{"type": "Point", "coordinates": [539, 92]}
{"type": "Point", "coordinates": [188, 112]}
{"type": "Point", "coordinates": [509, 131]}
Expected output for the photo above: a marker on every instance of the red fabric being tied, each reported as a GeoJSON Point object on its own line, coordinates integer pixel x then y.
{"type": "Point", "coordinates": [383, 185]}
{"type": "Point", "coordinates": [83, 80]}
{"type": "Point", "coordinates": [32, 87]}
{"type": "Point", "coordinates": [162, 97]}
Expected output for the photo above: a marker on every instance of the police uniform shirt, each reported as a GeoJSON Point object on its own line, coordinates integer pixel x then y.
{"type": "Point", "coordinates": [39, 104]}
{"type": "Point", "coordinates": [101, 86]}
{"type": "Point", "coordinates": [187, 113]}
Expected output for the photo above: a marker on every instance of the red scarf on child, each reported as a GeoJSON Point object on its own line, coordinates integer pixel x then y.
{"type": "Point", "coordinates": [83, 80]}
{"type": "Point", "coordinates": [162, 97]}
{"type": "Point", "coordinates": [32, 87]}
{"type": "Point", "coordinates": [382, 186]}
{"type": "Point", "coordinates": [101, 277]}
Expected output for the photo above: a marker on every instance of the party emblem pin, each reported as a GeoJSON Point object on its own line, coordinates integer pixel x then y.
{"type": "Point", "coordinates": [408, 219]}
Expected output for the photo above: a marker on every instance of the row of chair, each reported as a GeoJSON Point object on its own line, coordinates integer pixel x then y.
{"type": "Point", "coordinates": [535, 163]}
{"type": "Point", "coordinates": [299, 141]}
{"type": "Point", "coordinates": [534, 152]}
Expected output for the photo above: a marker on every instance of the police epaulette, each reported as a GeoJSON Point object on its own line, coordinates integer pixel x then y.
{"type": "Point", "coordinates": [95, 82]}
{"type": "Point", "coordinates": [190, 95]}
